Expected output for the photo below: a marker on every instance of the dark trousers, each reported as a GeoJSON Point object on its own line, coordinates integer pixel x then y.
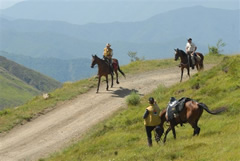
{"type": "Point", "coordinates": [149, 130]}
{"type": "Point", "coordinates": [190, 59]}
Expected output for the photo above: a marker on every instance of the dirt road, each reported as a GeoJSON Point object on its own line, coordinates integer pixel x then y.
{"type": "Point", "coordinates": [54, 130]}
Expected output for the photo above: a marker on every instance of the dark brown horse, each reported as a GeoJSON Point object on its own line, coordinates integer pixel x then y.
{"type": "Point", "coordinates": [191, 114]}
{"type": "Point", "coordinates": [104, 70]}
{"type": "Point", "coordinates": [185, 62]}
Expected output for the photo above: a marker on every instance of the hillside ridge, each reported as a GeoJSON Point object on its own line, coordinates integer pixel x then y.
{"type": "Point", "coordinates": [20, 84]}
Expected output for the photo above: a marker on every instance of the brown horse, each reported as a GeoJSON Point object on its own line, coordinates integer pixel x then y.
{"type": "Point", "coordinates": [185, 62]}
{"type": "Point", "coordinates": [104, 70]}
{"type": "Point", "coordinates": [191, 114]}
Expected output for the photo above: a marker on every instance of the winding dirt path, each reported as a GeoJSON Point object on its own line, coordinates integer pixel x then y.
{"type": "Point", "coordinates": [56, 129]}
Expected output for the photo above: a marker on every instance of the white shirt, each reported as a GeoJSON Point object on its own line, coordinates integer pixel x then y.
{"type": "Point", "coordinates": [190, 47]}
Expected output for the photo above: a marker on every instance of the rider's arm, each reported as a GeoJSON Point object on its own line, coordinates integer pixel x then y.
{"type": "Point", "coordinates": [195, 47]}
{"type": "Point", "coordinates": [145, 114]}
{"type": "Point", "coordinates": [104, 52]}
{"type": "Point", "coordinates": [187, 47]}
{"type": "Point", "coordinates": [111, 53]}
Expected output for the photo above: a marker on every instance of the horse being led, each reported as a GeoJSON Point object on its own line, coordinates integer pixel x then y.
{"type": "Point", "coordinates": [190, 112]}
{"type": "Point", "coordinates": [104, 70]}
{"type": "Point", "coordinates": [185, 62]}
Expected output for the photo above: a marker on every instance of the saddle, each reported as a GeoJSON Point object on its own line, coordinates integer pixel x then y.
{"type": "Point", "coordinates": [175, 106]}
{"type": "Point", "coordinates": [197, 57]}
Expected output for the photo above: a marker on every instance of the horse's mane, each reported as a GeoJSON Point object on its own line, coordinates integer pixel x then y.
{"type": "Point", "coordinates": [182, 51]}
{"type": "Point", "coordinates": [98, 57]}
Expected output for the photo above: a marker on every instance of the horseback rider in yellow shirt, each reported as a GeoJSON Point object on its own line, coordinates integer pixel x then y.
{"type": "Point", "coordinates": [152, 120]}
{"type": "Point", "coordinates": [107, 55]}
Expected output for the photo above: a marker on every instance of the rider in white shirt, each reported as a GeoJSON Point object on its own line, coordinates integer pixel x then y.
{"type": "Point", "coordinates": [190, 50]}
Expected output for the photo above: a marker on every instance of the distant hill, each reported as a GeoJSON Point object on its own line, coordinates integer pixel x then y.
{"type": "Point", "coordinates": [59, 69]}
{"type": "Point", "coordinates": [152, 38]}
{"type": "Point", "coordinates": [19, 84]}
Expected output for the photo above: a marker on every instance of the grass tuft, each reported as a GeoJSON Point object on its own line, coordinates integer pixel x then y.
{"type": "Point", "coordinates": [133, 98]}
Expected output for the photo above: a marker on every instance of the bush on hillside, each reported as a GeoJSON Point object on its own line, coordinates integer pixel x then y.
{"type": "Point", "coordinates": [216, 50]}
{"type": "Point", "coordinates": [133, 98]}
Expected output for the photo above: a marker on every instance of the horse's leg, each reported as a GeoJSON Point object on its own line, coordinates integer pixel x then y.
{"type": "Point", "coordinates": [99, 80]}
{"type": "Point", "coordinates": [197, 66]}
{"type": "Point", "coordinates": [174, 132]}
{"type": "Point", "coordinates": [107, 82]}
{"type": "Point", "coordinates": [196, 128]}
{"type": "Point", "coordinates": [111, 80]}
{"type": "Point", "coordinates": [188, 72]}
{"type": "Point", "coordinates": [165, 137]}
{"type": "Point", "coordinates": [116, 77]}
{"type": "Point", "coordinates": [201, 65]}
{"type": "Point", "coordinates": [181, 74]}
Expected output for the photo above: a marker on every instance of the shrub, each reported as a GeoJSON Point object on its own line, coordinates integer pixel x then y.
{"type": "Point", "coordinates": [215, 50]}
{"type": "Point", "coordinates": [133, 98]}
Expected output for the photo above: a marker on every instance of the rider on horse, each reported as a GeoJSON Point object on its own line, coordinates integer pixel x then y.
{"type": "Point", "coordinates": [107, 55]}
{"type": "Point", "coordinates": [190, 50]}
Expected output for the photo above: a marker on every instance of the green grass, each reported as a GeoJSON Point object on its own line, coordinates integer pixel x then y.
{"type": "Point", "coordinates": [35, 107]}
{"type": "Point", "coordinates": [148, 65]}
{"type": "Point", "coordinates": [14, 91]}
{"type": "Point", "coordinates": [122, 137]}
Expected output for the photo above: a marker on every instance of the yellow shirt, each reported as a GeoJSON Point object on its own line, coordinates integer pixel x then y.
{"type": "Point", "coordinates": [108, 53]}
{"type": "Point", "coordinates": [153, 118]}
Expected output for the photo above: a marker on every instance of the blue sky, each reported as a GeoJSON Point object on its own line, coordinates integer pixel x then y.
{"type": "Point", "coordinates": [225, 4]}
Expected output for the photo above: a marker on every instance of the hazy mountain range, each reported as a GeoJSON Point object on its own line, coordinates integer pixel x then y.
{"type": "Point", "coordinates": [101, 11]}
{"type": "Point", "coordinates": [152, 38]}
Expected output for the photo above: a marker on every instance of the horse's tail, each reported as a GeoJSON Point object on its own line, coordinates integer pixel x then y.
{"type": "Point", "coordinates": [121, 71]}
{"type": "Point", "coordinates": [201, 62]}
{"type": "Point", "coordinates": [118, 67]}
{"type": "Point", "coordinates": [217, 111]}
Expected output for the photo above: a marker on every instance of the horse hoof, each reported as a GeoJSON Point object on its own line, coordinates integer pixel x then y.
{"type": "Point", "coordinates": [117, 82]}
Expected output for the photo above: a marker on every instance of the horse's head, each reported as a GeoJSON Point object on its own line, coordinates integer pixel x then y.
{"type": "Point", "coordinates": [177, 54]}
{"type": "Point", "coordinates": [94, 58]}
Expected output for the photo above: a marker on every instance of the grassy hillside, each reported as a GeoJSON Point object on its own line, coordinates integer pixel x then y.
{"type": "Point", "coordinates": [20, 84]}
{"type": "Point", "coordinates": [14, 91]}
{"type": "Point", "coordinates": [123, 137]}
{"type": "Point", "coordinates": [30, 77]}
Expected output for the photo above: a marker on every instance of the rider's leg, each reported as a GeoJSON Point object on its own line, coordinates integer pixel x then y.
{"type": "Point", "coordinates": [111, 65]}
{"type": "Point", "coordinates": [189, 60]}
{"type": "Point", "coordinates": [192, 61]}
